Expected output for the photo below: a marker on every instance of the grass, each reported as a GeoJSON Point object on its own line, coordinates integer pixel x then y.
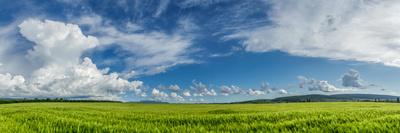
{"type": "Point", "coordinates": [131, 117]}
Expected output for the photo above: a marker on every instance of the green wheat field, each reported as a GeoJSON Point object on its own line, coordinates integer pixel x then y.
{"type": "Point", "coordinates": [134, 117]}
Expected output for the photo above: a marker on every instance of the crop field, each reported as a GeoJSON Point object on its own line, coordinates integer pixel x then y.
{"type": "Point", "coordinates": [132, 117]}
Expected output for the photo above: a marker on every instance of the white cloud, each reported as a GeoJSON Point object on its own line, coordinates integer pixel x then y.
{"type": "Point", "coordinates": [56, 42]}
{"type": "Point", "coordinates": [186, 93]}
{"type": "Point", "coordinates": [201, 89]}
{"type": "Point", "coordinates": [187, 25]}
{"type": "Point", "coordinates": [266, 87]}
{"type": "Point", "coordinates": [358, 30]}
{"type": "Point", "coordinates": [352, 79]}
{"type": "Point", "coordinates": [318, 85]}
{"type": "Point", "coordinates": [12, 85]}
{"type": "Point", "coordinates": [140, 92]}
{"type": "Point", "coordinates": [228, 90]}
{"type": "Point", "coordinates": [254, 92]}
{"type": "Point", "coordinates": [82, 79]}
{"type": "Point", "coordinates": [174, 88]}
{"type": "Point", "coordinates": [263, 90]}
{"type": "Point", "coordinates": [161, 7]}
{"type": "Point", "coordinates": [154, 52]}
{"type": "Point", "coordinates": [176, 97]}
{"type": "Point", "coordinates": [282, 91]}
{"type": "Point", "coordinates": [217, 55]}
{"type": "Point", "coordinates": [132, 27]}
{"type": "Point", "coordinates": [57, 50]}
{"type": "Point", "coordinates": [159, 95]}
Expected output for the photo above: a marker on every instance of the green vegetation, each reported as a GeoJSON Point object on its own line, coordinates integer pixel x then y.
{"type": "Point", "coordinates": [329, 98]}
{"type": "Point", "coordinates": [5, 101]}
{"type": "Point", "coordinates": [133, 117]}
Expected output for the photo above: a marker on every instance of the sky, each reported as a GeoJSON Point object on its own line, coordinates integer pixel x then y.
{"type": "Point", "coordinates": [191, 51]}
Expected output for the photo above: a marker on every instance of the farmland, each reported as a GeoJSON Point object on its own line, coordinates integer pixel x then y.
{"type": "Point", "coordinates": [134, 117]}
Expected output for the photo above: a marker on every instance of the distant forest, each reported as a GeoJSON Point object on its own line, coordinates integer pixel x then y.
{"type": "Point", "coordinates": [329, 98]}
{"type": "Point", "coordinates": [5, 101]}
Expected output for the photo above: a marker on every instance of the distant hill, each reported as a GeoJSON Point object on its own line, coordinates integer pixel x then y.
{"type": "Point", "coordinates": [327, 98]}
{"type": "Point", "coordinates": [152, 102]}
{"type": "Point", "coordinates": [16, 100]}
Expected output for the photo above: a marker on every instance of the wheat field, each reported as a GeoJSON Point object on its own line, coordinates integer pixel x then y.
{"type": "Point", "coordinates": [134, 117]}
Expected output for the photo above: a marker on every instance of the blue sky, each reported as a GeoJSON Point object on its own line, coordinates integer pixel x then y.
{"type": "Point", "coordinates": [197, 50]}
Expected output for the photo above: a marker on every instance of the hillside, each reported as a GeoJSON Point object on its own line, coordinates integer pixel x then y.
{"type": "Point", "coordinates": [327, 98]}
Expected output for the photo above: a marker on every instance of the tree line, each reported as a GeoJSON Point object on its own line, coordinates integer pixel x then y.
{"type": "Point", "coordinates": [4, 101]}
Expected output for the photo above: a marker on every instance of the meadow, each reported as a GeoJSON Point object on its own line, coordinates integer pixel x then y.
{"type": "Point", "coordinates": [134, 117]}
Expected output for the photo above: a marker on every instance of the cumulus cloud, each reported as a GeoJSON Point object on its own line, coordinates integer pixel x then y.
{"type": "Point", "coordinates": [229, 90]}
{"type": "Point", "coordinates": [186, 93]}
{"type": "Point", "coordinates": [152, 52]}
{"type": "Point", "coordinates": [56, 42]}
{"type": "Point", "coordinates": [57, 50]}
{"type": "Point", "coordinates": [352, 79]}
{"type": "Point", "coordinates": [201, 89]}
{"type": "Point", "coordinates": [282, 91]}
{"type": "Point", "coordinates": [266, 87]}
{"type": "Point", "coordinates": [263, 90]}
{"type": "Point", "coordinates": [361, 30]}
{"type": "Point", "coordinates": [174, 88]}
{"type": "Point", "coordinates": [254, 92]}
{"type": "Point", "coordinates": [84, 78]}
{"type": "Point", "coordinates": [318, 85]}
{"type": "Point", "coordinates": [140, 92]}
{"type": "Point", "coordinates": [13, 85]}
{"type": "Point", "coordinates": [176, 97]}
{"type": "Point", "coordinates": [159, 95]}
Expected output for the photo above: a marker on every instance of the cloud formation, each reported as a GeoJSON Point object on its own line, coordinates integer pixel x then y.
{"type": "Point", "coordinates": [152, 52]}
{"type": "Point", "coordinates": [57, 52]}
{"type": "Point", "coordinates": [229, 90]}
{"type": "Point", "coordinates": [186, 93]}
{"type": "Point", "coordinates": [176, 97]}
{"type": "Point", "coordinates": [361, 30]}
{"type": "Point", "coordinates": [13, 85]}
{"type": "Point", "coordinates": [201, 89]}
{"type": "Point", "coordinates": [84, 78]}
{"type": "Point", "coordinates": [263, 90]}
{"type": "Point", "coordinates": [159, 95]}
{"type": "Point", "coordinates": [282, 91]}
{"type": "Point", "coordinates": [318, 85]}
{"type": "Point", "coordinates": [254, 92]}
{"type": "Point", "coordinates": [174, 88]}
{"type": "Point", "coordinates": [56, 42]}
{"type": "Point", "coordinates": [352, 79]}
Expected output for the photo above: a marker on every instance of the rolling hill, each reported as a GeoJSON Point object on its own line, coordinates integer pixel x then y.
{"type": "Point", "coordinates": [327, 98]}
